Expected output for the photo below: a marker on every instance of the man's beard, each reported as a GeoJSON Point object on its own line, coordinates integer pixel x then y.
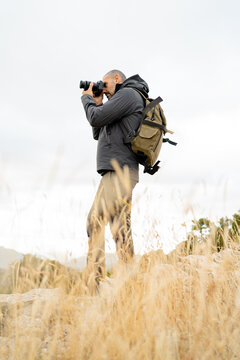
{"type": "Point", "coordinates": [109, 95]}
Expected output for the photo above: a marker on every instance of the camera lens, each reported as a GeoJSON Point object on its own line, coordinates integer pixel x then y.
{"type": "Point", "coordinates": [97, 87]}
{"type": "Point", "coordinates": [84, 84]}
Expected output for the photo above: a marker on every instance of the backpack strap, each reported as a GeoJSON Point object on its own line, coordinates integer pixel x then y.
{"type": "Point", "coordinates": [145, 98]}
{"type": "Point", "coordinates": [162, 127]}
{"type": "Point", "coordinates": [151, 123]}
{"type": "Point", "coordinates": [152, 104]}
{"type": "Point", "coordinates": [169, 141]}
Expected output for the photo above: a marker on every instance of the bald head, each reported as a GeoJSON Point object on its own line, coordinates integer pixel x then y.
{"type": "Point", "coordinates": [113, 73]}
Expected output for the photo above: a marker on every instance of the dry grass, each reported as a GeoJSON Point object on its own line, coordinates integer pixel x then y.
{"type": "Point", "coordinates": [163, 307]}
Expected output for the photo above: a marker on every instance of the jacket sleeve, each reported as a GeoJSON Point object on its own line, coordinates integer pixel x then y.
{"type": "Point", "coordinates": [95, 132]}
{"type": "Point", "coordinates": [120, 105]}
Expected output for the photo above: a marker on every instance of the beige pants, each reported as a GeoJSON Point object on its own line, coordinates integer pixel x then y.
{"type": "Point", "coordinates": [112, 204]}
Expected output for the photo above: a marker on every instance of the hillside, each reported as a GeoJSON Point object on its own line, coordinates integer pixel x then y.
{"type": "Point", "coordinates": [8, 256]}
{"type": "Point", "coordinates": [186, 307]}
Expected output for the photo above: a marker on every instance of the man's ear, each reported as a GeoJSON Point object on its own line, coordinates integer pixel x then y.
{"type": "Point", "coordinates": [117, 78]}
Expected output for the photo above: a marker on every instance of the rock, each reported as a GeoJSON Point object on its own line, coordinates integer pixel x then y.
{"type": "Point", "coordinates": [27, 309]}
{"type": "Point", "coordinates": [28, 297]}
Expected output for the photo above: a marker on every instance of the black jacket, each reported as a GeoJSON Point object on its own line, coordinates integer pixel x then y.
{"type": "Point", "coordinates": [108, 120]}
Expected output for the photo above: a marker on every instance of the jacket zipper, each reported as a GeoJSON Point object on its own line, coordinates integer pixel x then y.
{"type": "Point", "coordinates": [107, 133]}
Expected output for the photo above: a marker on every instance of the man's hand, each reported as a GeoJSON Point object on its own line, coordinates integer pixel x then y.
{"type": "Point", "coordinates": [98, 99]}
{"type": "Point", "coordinates": [89, 90]}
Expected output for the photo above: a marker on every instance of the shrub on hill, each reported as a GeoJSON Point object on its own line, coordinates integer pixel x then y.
{"type": "Point", "coordinates": [215, 236]}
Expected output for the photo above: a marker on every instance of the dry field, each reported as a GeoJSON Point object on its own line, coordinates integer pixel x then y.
{"type": "Point", "coordinates": [162, 307]}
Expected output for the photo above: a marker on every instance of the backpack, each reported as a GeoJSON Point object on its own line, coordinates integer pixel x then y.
{"type": "Point", "coordinates": [147, 141]}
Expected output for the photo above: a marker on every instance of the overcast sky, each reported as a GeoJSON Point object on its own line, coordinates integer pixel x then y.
{"type": "Point", "coordinates": [187, 51]}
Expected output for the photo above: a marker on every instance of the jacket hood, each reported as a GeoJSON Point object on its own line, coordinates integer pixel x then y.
{"type": "Point", "coordinates": [137, 82]}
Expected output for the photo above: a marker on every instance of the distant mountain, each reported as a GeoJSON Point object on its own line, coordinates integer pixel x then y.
{"type": "Point", "coordinates": [81, 262]}
{"type": "Point", "coordinates": [8, 256]}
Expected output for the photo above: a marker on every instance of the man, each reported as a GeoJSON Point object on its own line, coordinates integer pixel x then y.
{"type": "Point", "coordinates": [116, 162]}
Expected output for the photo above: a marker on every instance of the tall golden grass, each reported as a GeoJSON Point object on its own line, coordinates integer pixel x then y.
{"type": "Point", "coordinates": [175, 306]}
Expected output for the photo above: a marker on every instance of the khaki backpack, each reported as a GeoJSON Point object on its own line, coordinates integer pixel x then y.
{"type": "Point", "coordinates": [148, 139]}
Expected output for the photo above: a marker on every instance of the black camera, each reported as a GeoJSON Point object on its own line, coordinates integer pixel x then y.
{"type": "Point", "coordinates": [97, 87]}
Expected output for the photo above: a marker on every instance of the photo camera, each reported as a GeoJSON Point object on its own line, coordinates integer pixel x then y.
{"type": "Point", "coordinates": [97, 86]}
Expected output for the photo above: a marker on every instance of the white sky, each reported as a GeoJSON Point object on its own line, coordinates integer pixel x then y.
{"type": "Point", "coordinates": [187, 51]}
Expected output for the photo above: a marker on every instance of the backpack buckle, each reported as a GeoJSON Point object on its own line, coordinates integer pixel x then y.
{"type": "Point", "coordinates": [151, 169]}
